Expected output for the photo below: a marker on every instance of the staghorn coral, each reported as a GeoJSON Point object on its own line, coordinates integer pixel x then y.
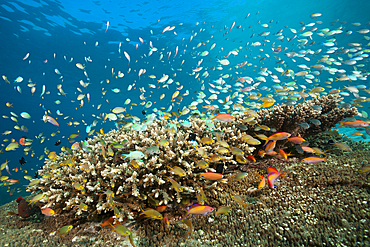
{"type": "Point", "coordinates": [96, 178]}
{"type": "Point", "coordinates": [287, 117]}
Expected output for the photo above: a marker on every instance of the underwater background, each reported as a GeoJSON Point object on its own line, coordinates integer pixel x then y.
{"type": "Point", "coordinates": [49, 47]}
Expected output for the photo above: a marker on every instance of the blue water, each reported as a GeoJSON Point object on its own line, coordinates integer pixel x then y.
{"type": "Point", "coordinates": [58, 31]}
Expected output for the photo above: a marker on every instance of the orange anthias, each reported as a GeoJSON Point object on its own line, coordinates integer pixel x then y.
{"type": "Point", "coordinates": [283, 154]}
{"type": "Point", "coordinates": [211, 175]}
{"type": "Point", "coordinates": [199, 209]}
{"type": "Point", "coordinates": [48, 212]}
{"type": "Point", "coordinates": [278, 136]}
{"type": "Point", "coordinates": [308, 149]}
{"type": "Point", "coordinates": [312, 159]}
{"type": "Point", "coordinates": [110, 220]}
{"type": "Point", "coordinates": [224, 117]}
{"type": "Point", "coordinates": [354, 124]}
{"type": "Point", "coordinates": [270, 146]}
{"type": "Point", "coordinates": [296, 139]}
{"type": "Point", "coordinates": [273, 175]}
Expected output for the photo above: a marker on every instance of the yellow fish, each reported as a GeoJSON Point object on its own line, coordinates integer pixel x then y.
{"type": "Point", "coordinates": [267, 104]}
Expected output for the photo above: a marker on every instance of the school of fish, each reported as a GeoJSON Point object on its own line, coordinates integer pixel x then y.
{"type": "Point", "coordinates": [202, 79]}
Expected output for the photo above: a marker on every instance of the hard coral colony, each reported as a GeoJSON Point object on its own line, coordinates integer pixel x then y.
{"type": "Point", "coordinates": [131, 177]}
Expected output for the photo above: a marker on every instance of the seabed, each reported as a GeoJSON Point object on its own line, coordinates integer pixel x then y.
{"type": "Point", "coordinates": [322, 204]}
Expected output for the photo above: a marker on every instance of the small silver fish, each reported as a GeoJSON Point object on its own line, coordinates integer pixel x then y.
{"type": "Point", "coordinates": [315, 122]}
{"type": "Point", "coordinates": [317, 108]}
{"type": "Point", "coordinates": [304, 125]}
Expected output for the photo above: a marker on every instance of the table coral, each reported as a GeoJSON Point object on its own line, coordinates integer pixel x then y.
{"type": "Point", "coordinates": [287, 117]}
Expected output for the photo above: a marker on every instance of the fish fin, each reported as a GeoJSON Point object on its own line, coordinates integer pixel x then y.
{"type": "Point", "coordinates": [12, 213]}
{"type": "Point", "coordinates": [272, 169]}
{"type": "Point", "coordinates": [283, 175]}
{"type": "Point", "coordinates": [271, 178]}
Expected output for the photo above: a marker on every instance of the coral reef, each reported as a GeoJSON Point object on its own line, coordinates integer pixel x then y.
{"type": "Point", "coordinates": [96, 177]}
{"type": "Point", "coordinates": [319, 114]}
{"type": "Point", "coordinates": [325, 141]}
{"type": "Point", "coordinates": [323, 204]}
{"type": "Point", "coordinates": [163, 163]}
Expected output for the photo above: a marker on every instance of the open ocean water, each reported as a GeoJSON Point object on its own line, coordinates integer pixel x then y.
{"type": "Point", "coordinates": [75, 61]}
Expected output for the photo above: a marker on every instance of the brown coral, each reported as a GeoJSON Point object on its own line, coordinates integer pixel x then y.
{"type": "Point", "coordinates": [96, 178]}
{"type": "Point", "coordinates": [287, 117]}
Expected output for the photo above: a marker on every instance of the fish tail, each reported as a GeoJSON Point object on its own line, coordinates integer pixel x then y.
{"type": "Point", "coordinates": [283, 175]}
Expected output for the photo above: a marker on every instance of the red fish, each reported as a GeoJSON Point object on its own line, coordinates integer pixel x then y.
{"type": "Point", "coordinates": [270, 146]}
{"type": "Point", "coordinates": [24, 209]}
{"type": "Point", "coordinates": [243, 79]}
{"type": "Point", "coordinates": [11, 180]}
{"type": "Point", "coordinates": [312, 159]}
{"type": "Point", "coordinates": [308, 149]}
{"type": "Point", "coordinates": [262, 183]}
{"type": "Point", "coordinates": [251, 158]}
{"type": "Point", "coordinates": [296, 139]}
{"type": "Point", "coordinates": [199, 209]}
{"type": "Point", "coordinates": [22, 141]}
{"type": "Point", "coordinates": [110, 220]}
{"type": "Point", "coordinates": [211, 175]}
{"type": "Point", "coordinates": [273, 175]}
{"type": "Point", "coordinates": [354, 124]}
{"type": "Point", "coordinates": [247, 89]}
{"type": "Point", "coordinates": [283, 154]}
{"type": "Point", "coordinates": [161, 208]}
{"type": "Point", "coordinates": [48, 212]}
{"type": "Point", "coordinates": [224, 117]}
{"type": "Point", "coordinates": [278, 136]}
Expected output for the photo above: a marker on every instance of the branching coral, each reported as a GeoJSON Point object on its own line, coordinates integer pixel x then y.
{"type": "Point", "coordinates": [96, 177]}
